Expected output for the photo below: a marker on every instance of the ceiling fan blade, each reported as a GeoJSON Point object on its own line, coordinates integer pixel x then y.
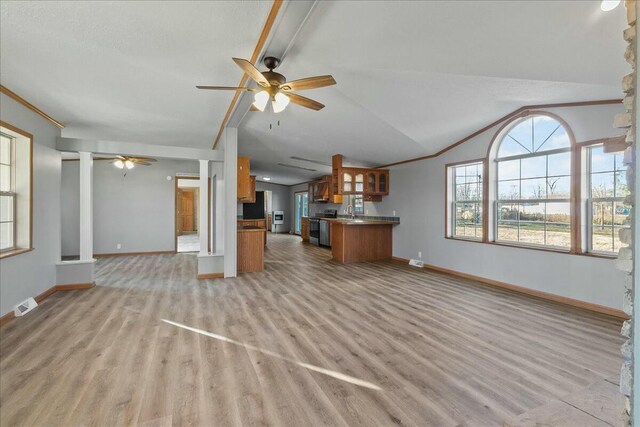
{"type": "Point", "coordinates": [143, 163]}
{"type": "Point", "coordinates": [308, 83]}
{"type": "Point", "coordinates": [252, 72]}
{"type": "Point", "coordinates": [244, 89]}
{"type": "Point", "coordinates": [142, 159]}
{"type": "Point", "coordinates": [305, 102]}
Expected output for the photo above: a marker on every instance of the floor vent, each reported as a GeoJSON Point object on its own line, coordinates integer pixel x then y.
{"type": "Point", "coordinates": [416, 263]}
{"type": "Point", "coordinates": [25, 307]}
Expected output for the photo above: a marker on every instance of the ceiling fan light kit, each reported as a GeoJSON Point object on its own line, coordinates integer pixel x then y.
{"type": "Point", "coordinates": [274, 86]}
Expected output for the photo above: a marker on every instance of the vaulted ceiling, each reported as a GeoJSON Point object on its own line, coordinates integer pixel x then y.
{"type": "Point", "coordinates": [413, 77]}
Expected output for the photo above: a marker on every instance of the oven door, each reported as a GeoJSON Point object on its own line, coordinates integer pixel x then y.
{"type": "Point", "coordinates": [314, 231]}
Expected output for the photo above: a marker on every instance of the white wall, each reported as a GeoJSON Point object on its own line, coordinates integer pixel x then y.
{"type": "Point", "coordinates": [136, 210]}
{"type": "Point", "coordinates": [31, 273]}
{"type": "Point", "coordinates": [417, 194]}
{"type": "Point", "coordinates": [280, 202]}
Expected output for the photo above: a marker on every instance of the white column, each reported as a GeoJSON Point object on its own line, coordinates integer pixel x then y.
{"type": "Point", "coordinates": [230, 201]}
{"type": "Point", "coordinates": [218, 217]}
{"type": "Point", "coordinates": [86, 206]}
{"type": "Point", "coordinates": [203, 215]}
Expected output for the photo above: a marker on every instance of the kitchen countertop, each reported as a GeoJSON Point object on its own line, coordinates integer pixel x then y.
{"type": "Point", "coordinates": [346, 221]}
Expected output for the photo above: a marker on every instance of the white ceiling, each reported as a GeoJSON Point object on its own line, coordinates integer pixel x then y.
{"type": "Point", "coordinates": [414, 77]}
{"type": "Point", "coordinates": [126, 71]}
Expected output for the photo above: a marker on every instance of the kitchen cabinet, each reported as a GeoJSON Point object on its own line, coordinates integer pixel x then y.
{"type": "Point", "coordinates": [261, 223]}
{"type": "Point", "coordinates": [244, 179]}
{"type": "Point", "coordinates": [372, 183]}
{"type": "Point", "coordinates": [250, 248]}
{"type": "Point", "coordinates": [304, 228]}
{"type": "Point", "coordinates": [321, 191]}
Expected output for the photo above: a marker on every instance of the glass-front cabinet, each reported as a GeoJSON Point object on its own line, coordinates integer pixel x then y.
{"type": "Point", "coordinates": [372, 183]}
{"type": "Point", "coordinates": [347, 182]}
{"type": "Point", "coordinates": [359, 183]}
{"type": "Point", "coordinates": [383, 182]}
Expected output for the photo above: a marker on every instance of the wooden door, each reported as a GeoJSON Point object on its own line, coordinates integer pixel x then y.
{"type": "Point", "coordinates": [187, 211]}
{"type": "Point", "coordinates": [179, 221]}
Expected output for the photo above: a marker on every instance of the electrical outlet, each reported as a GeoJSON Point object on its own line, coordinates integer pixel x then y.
{"type": "Point", "coordinates": [419, 254]}
{"type": "Point", "coordinates": [394, 213]}
{"type": "Point", "coordinates": [366, 211]}
{"type": "Point", "coordinates": [118, 246]}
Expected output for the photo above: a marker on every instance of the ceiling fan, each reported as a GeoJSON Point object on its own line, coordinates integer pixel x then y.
{"type": "Point", "coordinates": [275, 87]}
{"type": "Point", "coordinates": [122, 162]}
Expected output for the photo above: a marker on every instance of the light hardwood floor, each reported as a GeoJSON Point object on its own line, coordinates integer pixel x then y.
{"type": "Point", "coordinates": [312, 342]}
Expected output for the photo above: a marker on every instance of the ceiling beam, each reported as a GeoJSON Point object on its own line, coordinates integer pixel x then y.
{"type": "Point", "coordinates": [268, 25]}
{"type": "Point", "coordinates": [136, 149]}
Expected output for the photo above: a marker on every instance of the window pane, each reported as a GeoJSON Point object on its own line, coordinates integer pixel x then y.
{"type": "Point", "coordinates": [558, 187]}
{"type": "Point", "coordinates": [600, 161]}
{"type": "Point", "coordinates": [534, 167]}
{"type": "Point", "coordinates": [509, 190]}
{"type": "Point", "coordinates": [6, 208]}
{"type": "Point", "coordinates": [602, 230]}
{"type": "Point", "coordinates": [468, 220]}
{"type": "Point", "coordinates": [532, 227]}
{"type": "Point", "coordinates": [621, 189]}
{"type": "Point", "coordinates": [558, 224]}
{"type": "Point", "coordinates": [559, 164]}
{"type": "Point", "coordinates": [6, 235]}
{"type": "Point", "coordinates": [617, 244]}
{"type": "Point", "coordinates": [509, 169]}
{"type": "Point", "coordinates": [534, 188]}
{"type": "Point", "coordinates": [518, 140]}
{"type": "Point", "coordinates": [602, 184]}
{"type": "Point", "coordinates": [549, 134]}
{"type": "Point", "coordinates": [5, 178]}
{"type": "Point", "coordinates": [508, 215]}
{"type": "Point", "coordinates": [5, 150]}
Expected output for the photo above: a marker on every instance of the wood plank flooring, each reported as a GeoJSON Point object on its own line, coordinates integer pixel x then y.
{"type": "Point", "coordinates": [306, 342]}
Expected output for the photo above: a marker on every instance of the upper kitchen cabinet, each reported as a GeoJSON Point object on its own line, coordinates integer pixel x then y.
{"type": "Point", "coordinates": [246, 183]}
{"type": "Point", "coordinates": [370, 182]}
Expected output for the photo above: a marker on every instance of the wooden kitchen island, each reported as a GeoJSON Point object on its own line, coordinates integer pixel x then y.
{"type": "Point", "coordinates": [356, 241]}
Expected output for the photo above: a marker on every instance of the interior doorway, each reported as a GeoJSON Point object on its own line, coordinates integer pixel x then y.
{"type": "Point", "coordinates": [186, 213]}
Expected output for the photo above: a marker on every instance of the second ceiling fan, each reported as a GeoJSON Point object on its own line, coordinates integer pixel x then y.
{"type": "Point", "coordinates": [273, 86]}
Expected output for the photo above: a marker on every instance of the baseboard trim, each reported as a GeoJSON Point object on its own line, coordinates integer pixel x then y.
{"type": "Point", "coordinates": [74, 286]}
{"type": "Point", "coordinates": [46, 294]}
{"type": "Point", "coordinates": [523, 290]}
{"type": "Point", "coordinates": [210, 276]}
{"type": "Point", "coordinates": [133, 254]}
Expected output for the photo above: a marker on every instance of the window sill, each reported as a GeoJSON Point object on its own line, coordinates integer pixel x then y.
{"type": "Point", "coordinates": [537, 248]}
{"type": "Point", "coordinates": [465, 239]}
{"type": "Point", "coordinates": [14, 252]}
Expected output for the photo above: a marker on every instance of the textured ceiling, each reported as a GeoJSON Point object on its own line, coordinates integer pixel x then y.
{"type": "Point", "coordinates": [414, 77]}
{"type": "Point", "coordinates": [126, 71]}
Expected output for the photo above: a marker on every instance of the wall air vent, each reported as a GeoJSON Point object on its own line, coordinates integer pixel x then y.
{"type": "Point", "coordinates": [24, 307]}
{"type": "Point", "coordinates": [416, 263]}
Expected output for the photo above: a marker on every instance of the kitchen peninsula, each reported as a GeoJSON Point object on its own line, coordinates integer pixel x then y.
{"type": "Point", "coordinates": [356, 240]}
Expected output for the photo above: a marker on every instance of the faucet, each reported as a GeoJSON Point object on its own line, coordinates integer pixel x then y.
{"type": "Point", "coordinates": [350, 210]}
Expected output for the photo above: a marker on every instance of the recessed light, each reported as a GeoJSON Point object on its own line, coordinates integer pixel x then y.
{"type": "Point", "coordinates": [608, 5]}
{"type": "Point", "coordinates": [266, 178]}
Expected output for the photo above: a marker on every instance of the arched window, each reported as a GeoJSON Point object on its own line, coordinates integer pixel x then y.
{"type": "Point", "coordinates": [533, 182]}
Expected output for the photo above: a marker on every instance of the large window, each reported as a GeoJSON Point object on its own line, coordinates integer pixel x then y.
{"type": "Point", "coordinates": [7, 194]}
{"type": "Point", "coordinates": [607, 188]}
{"type": "Point", "coordinates": [15, 190]}
{"type": "Point", "coordinates": [533, 203]}
{"type": "Point", "coordinates": [466, 200]}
